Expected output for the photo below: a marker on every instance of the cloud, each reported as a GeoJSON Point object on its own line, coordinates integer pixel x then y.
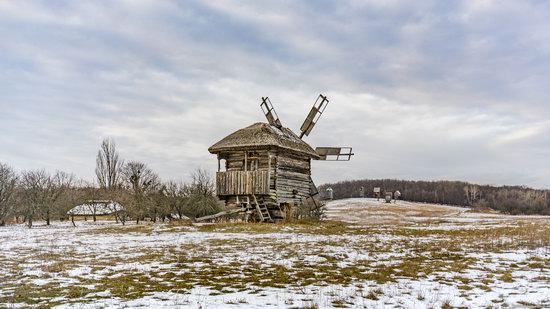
{"type": "Point", "coordinates": [423, 90]}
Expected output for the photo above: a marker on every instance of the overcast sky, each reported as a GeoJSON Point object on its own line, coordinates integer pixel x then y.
{"type": "Point", "coordinates": [423, 90]}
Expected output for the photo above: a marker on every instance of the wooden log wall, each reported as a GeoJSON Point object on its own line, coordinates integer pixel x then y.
{"type": "Point", "coordinates": [293, 173]}
{"type": "Point", "coordinates": [234, 161]}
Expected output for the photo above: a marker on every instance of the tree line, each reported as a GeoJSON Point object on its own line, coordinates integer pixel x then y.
{"type": "Point", "coordinates": [39, 195]}
{"type": "Point", "coordinates": [508, 199]}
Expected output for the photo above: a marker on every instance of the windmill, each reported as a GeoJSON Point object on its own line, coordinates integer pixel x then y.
{"type": "Point", "coordinates": [265, 168]}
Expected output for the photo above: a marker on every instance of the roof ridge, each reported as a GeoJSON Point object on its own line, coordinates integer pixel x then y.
{"type": "Point", "coordinates": [261, 134]}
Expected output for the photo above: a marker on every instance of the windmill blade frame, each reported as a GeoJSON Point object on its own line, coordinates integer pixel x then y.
{"type": "Point", "coordinates": [270, 113]}
{"type": "Point", "coordinates": [314, 115]}
{"type": "Point", "coordinates": [334, 153]}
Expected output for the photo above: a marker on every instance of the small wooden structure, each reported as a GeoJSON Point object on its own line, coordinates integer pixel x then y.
{"type": "Point", "coordinates": [396, 195]}
{"type": "Point", "coordinates": [330, 193]}
{"type": "Point", "coordinates": [265, 169]}
{"type": "Point", "coordinates": [103, 209]}
{"type": "Point", "coordinates": [376, 191]}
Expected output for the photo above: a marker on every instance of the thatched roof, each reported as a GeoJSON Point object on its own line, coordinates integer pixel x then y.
{"type": "Point", "coordinates": [263, 135]}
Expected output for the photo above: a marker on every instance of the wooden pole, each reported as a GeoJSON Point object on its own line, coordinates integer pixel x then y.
{"type": "Point", "coordinates": [268, 171]}
{"type": "Point", "coordinates": [220, 214]}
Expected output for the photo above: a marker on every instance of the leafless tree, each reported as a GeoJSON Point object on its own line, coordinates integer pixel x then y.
{"type": "Point", "coordinates": [143, 183]}
{"type": "Point", "coordinates": [201, 200]}
{"type": "Point", "coordinates": [160, 207]}
{"type": "Point", "coordinates": [203, 182]}
{"type": "Point", "coordinates": [125, 198]}
{"type": "Point", "coordinates": [89, 196]}
{"type": "Point", "coordinates": [108, 165]}
{"type": "Point", "coordinates": [176, 197]}
{"type": "Point", "coordinates": [58, 184]}
{"type": "Point", "coordinates": [139, 176]}
{"type": "Point", "coordinates": [108, 170]}
{"type": "Point", "coordinates": [472, 193]}
{"type": "Point", "coordinates": [41, 193]}
{"type": "Point", "coordinates": [71, 196]}
{"type": "Point", "coordinates": [33, 183]}
{"type": "Point", "coordinates": [8, 182]}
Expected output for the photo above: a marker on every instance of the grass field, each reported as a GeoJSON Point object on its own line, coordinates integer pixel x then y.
{"type": "Point", "coordinates": [366, 255]}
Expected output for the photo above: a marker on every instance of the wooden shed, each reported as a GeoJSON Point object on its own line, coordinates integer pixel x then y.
{"type": "Point", "coordinates": [264, 168]}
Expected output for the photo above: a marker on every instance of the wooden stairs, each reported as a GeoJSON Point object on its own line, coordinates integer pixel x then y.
{"type": "Point", "coordinates": [261, 209]}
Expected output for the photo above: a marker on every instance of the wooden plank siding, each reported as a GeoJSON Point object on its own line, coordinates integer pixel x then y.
{"type": "Point", "coordinates": [242, 182]}
{"type": "Point", "coordinates": [293, 173]}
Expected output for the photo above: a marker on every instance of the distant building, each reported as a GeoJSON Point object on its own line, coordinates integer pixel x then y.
{"type": "Point", "coordinates": [396, 195]}
{"type": "Point", "coordinates": [376, 191]}
{"type": "Point", "coordinates": [96, 208]}
{"type": "Point", "coordinates": [330, 193]}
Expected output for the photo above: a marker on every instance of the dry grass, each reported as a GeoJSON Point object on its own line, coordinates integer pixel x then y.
{"type": "Point", "coordinates": [346, 255]}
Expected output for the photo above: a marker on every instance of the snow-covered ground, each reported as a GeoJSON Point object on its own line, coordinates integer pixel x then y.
{"type": "Point", "coordinates": [402, 255]}
{"type": "Point", "coordinates": [369, 211]}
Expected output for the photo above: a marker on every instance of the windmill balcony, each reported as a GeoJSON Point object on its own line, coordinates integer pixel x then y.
{"type": "Point", "coordinates": [242, 183]}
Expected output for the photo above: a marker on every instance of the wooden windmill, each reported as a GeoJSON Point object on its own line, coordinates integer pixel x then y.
{"type": "Point", "coordinates": [266, 168]}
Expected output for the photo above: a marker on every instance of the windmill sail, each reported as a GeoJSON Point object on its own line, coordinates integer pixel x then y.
{"type": "Point", "coordinates": [334, 153]}
{"type": "Point", "coordinates": [270, 112]}
{"type": "Point", "coordinates": [314, 115]}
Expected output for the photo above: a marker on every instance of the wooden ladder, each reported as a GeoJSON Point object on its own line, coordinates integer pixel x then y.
{"type": "Point", "coordinates": [263, 212]}
{"type": "Point", "coordinates": [244, 203]}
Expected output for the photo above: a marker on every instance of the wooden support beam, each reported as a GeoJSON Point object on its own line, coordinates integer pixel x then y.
{"type": "Point", "coordinates": [220, 214]}
{"type": "Point", "coordinates": [269, 167]}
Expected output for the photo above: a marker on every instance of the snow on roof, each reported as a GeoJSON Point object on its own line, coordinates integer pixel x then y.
{"type": "Point", "coordinates": [97, 207]}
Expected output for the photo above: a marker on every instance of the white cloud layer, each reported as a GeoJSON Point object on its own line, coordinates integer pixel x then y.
{"type": "Point", "coordinates": [421, 90]}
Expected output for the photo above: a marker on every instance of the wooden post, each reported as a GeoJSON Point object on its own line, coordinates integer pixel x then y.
{"type": "Point", "coordinates": [245, 161]}
{"type": "Point", "coordinates": [219, 166]}
{"type": "Point", "coordinates": [268, 170]}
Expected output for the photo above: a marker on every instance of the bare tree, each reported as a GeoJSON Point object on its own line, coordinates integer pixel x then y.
{"type": "Point", "coordinates": [203, 182]}
{"type": "Point", "coordinates": [71, 196]}
{"type": "Point", "coordinates": [41, 192]}
{"type": "Point", "coordinates": [176, 197]}
{"type": "Point", "coordinates": [108, 165]}
{"type": "Point", "coordinates": [125, 199]}
{"type": "Point", "coordinates": [8, 182]}
{"type": "Point", "coordinates": [201, 200]}
{"type": "Point", "coordinates": [33, 183]}
{"type": "Point", "coordinates": [159, 207]}
{"type": "Point", "coordinates": [60, 184]}
{"type": "Point", "coordinates": [142, 182]}
{"type": "Point", "coordinates": [108, 170]}
{"type": "Point", "coordinates": [89, 197]}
